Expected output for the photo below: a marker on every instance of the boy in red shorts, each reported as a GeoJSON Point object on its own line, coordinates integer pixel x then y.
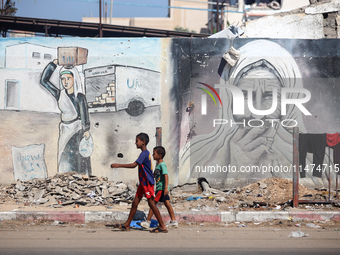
{"type": "Point", "coordinates": [146, 184]}
{"type": "Point", "coordinates": [162, 188]}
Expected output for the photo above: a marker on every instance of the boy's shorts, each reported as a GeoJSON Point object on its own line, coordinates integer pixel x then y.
{"type": "Point", "coordinates": [145, 190]}
{"type": "Point", "coordinates": [160, 196]}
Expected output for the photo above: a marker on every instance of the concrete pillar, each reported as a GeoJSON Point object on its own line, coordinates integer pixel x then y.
{"type": "Point", "coordinates": [240, 5]}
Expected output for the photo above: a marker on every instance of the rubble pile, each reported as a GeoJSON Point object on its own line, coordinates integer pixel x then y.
{"type": "Point", "coordinates": [267, 194]}
{"type": "Point", "coordinates": [271, 192]}
{"type": "Point", "coordinates": [68, 189]}
{"type": "Point", "coordinates": [278, 191]}
{"type": "Point", "coordinates": [72, 189]}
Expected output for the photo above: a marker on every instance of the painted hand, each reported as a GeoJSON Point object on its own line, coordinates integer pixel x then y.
{"type": "Point", "coordinates": [253, 145]}
{"type": "Point", "coordinates": [87, 135]}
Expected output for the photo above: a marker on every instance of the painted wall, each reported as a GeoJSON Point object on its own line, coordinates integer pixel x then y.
{"type": "Point", "coordinates": [122, 86]}
{"type": "Point", "coordinates": [205, 106]}
{"type": "Point", "coordinates": [217, 140]}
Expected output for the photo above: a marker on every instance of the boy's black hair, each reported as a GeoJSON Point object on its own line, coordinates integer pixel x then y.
{"type": "Point", "coordinates": [160, 150]}
{"type": "Point", "coordinates": [143, 137]}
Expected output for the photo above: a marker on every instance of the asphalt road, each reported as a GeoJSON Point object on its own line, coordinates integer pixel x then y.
{"type": "Point", "coordinates": [45, 238]}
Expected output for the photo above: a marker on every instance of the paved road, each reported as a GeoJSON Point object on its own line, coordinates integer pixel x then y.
{"type": "Point", "coordinates": [195, 239]}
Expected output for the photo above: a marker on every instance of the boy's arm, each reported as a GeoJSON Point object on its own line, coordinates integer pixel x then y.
{"type": "Point", "coordinates": [166, 182]}
{"type": "Point", "coordinates": [131, 165]}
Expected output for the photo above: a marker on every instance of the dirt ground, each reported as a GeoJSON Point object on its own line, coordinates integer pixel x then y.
{"type": "Point", "coordinates": [270, 237]}
{"type": "Point", "coordinates": [283, 224]}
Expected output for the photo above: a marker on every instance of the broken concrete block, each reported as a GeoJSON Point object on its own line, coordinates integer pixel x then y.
{"type": "Point", "coordinates": [75, 196]}
{"type": "Point", "coordinates": [19, 186]}
{"type": "Point", "coordinates": [105, 193]}
{"type": "Point", "coordinates": [112, 189]}
{"type": "Point", "coordinates": [232, 56]}
{"type": "Point", "coordinates": [220, 199]}
{"type": "Point", "coordinates": [39, 194]}
{"type": "Point", "coordinates": [121, 186]}
{"type": "Point", "coordinates": [262, 185]}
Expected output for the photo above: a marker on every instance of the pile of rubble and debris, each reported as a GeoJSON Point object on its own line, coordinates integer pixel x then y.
{"type": "Point", "coordinates": [267, 194]}
{"type": "Point", "coordinates": [72, 189]}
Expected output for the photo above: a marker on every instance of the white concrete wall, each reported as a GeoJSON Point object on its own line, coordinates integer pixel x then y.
{"type": "Point", "coordinates": [294, 26]}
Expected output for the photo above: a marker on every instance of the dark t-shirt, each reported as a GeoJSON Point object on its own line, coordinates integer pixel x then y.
{"type": "Point", "coordinates": [145, 173]}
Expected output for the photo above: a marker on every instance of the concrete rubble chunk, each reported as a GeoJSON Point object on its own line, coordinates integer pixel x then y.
{"type": "Point", "coordinates": [112, 189]}
{"type": "Point", "coordinates": [19, 186]}
{"type": "Point", "coordinates": [98, 190]}
{"type": "Point", "coordinates": [121, 186]}
{"type": "Point", "coordinates": [77, 176]}
{"type": "Point", "coordinates": [41, 201]}
{"type": "Point", "coordinates": [39, 194]}
{"type": "Point", "coordinates": [130, 187]}
{"type": "Point", "coordinates": [321, 8]}
{"type": "Point", "coordinates": [105, 193]}
{"type": "Point", "coordinates": [262, 185]}
{"type": "Point", "coordinates": [220, 199]}
{"type": "Point", "coordinates": [75, 196]}
{"type": "Point", "coordinates": [58, 189]}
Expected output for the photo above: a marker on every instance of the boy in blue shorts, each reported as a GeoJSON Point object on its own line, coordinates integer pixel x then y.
{"type": "Point", "coordinates": [162, 187]}
{"type": "Point", "coordinates": [146, 184]}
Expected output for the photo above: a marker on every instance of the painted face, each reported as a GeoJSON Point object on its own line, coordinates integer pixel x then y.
{"type": "Point", "coordinates": [139, 143]}
{"type": "Point", "coordinates": [258, 84]}
{"type": "Point", "coordinates": [67, 80]}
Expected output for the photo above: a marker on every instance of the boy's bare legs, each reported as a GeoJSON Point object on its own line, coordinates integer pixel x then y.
{"type": "Point", "coordinates": [170, 210]}
{"type": "Point", "coordinates": [156, 212]}
{"type": "Point", "coordinates": [168, 207]}
{"type": "Point", "coordinates": [133, 211]}
{"type": "Point", "coordinates": [150, 213]}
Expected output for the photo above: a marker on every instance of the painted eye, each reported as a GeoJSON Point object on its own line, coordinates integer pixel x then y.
{"type": "Point", "coordinates": [267, 95]}
{"type": "Point", "coordinates": [245, 94]}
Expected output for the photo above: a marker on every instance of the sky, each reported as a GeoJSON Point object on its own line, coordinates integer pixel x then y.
{"type": "Point", "coordinates": [75, 10]}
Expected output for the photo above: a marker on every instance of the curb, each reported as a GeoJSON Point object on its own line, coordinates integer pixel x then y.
{"type": "Point", "coordinates": [101, 217]}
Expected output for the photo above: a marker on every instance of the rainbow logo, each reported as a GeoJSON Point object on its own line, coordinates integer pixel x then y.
{"type": "Point", "coordinates": [209, 93]}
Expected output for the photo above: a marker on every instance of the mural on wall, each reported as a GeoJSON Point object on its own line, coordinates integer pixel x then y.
{"type": "Point", "coordinates": [28, 162]}
{"type": "Point", "coordinates": [84, 99]}
{"type": "Point", "coordinates": [225, 117]}
{"type": "Point", "coordinates": [246, 106]}
{"type": "Point", "coordinates": [75, 120]}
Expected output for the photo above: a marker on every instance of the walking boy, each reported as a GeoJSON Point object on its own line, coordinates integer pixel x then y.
{"type": "Point", "coordinates": [146, 184]}
{"type": "Point", "coordinates": [162, 187]}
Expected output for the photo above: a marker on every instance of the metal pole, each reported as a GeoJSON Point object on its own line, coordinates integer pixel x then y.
{"type": "Point", "coordinates": [296, 167]}
{"type": "Point", "coordinates": [158, 136]}
{"type": "Point", "coordinates": [105, 13]}
{"type": "Point", "coordinates": [222, 14]}
{"type": "Point", "coordinates": [218, 17]}
{"type": "Point", "coordinates": [329, 174]}
{"type": "Point", "coordinates": [212, 23]}
{"type": "Point", "coordinates": [111, 12]}
{"type": "Point", "coordinates": [100, 19]}
{"type": "Point", "coordinates": [336, 184]}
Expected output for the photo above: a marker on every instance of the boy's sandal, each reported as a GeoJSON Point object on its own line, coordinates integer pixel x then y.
{"type": "Point", "coordinates": [159, 230]}
{"type": "Point", "coordinates": [121, 227]}
{"type": "Point", "coordinates": [117, 225]}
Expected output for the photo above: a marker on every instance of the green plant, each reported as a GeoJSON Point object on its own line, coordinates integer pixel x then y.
{"type": "Point", "coordinates": [8, 8]}
{"type": "Point", "coordinates": [181, 29]}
